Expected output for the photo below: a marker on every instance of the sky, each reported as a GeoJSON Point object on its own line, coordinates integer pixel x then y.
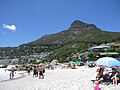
{"type": "Point", "coordinates": [23, 21]}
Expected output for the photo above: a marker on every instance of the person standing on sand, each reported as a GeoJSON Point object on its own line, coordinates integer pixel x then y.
{"type": "Point", "coordinates": [86, 63]}
{"type": "Point", "coordinates": [37, 69]}
{"type": "Point", "coordinates": [41, 76]}
{"type": "Point", "coordinates": [28, 71]}
{"type": "Point", "coordinates": [34, 71]}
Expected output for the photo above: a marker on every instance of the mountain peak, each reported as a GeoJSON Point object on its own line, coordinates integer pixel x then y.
{"type": "Point", "coordinates": [79, 24]}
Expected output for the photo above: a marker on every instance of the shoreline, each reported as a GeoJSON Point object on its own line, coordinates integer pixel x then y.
{"type": "Point", "coordinates": [22, 75]}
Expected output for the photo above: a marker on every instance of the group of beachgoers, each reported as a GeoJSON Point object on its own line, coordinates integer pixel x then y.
{"type": "Point", "coordinates": [86, 64]}
{"type": "Point", "coordinates": [111, 75]}
{"type": "Point", "coordinates": [38, 71]}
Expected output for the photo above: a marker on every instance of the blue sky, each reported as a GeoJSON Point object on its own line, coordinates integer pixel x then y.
{"type": "Point", "coordinates": [23, 21]}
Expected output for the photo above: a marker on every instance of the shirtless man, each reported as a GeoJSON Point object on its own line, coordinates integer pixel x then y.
{"type": "Point", "coordinates": [41, 76]}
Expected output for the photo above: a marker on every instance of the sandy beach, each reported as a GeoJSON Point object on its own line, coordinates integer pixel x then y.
{"type": "Point", "coordinates": [58, 79]}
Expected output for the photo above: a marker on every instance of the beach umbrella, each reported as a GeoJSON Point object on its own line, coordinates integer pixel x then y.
{"type": "Point", "coordinates": [118, 59]}
{"type": "Point", "coordinates": [108, 61]}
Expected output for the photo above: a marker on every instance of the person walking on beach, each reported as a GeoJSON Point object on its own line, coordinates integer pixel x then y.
{"type": "Point", "coordinates": [41, 69]}
{"type": "Point", "coordinates": [11, 75]}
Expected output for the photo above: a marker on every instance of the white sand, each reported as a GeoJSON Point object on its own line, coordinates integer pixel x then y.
{"type": "Point", "coordinates": [59, 79]}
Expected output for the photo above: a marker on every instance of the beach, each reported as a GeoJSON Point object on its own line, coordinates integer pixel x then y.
{"type": "Point", "coordinates": [58, 79]}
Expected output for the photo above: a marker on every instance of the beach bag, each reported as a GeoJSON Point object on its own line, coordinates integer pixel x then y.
{"type": "Point", "coordinates": [97, 87]}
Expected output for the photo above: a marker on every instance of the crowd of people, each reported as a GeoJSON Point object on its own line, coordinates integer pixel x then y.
{"type": "Point", "coordinates": [38, 71]}
{"type": "Point", "coordinates": [103, 73]}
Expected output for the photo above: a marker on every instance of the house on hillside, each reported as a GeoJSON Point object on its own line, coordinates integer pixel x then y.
{"type": "Point", "coordinates": [15, 61]}
{"type": "Point", "coordinates": [100, 48]}
{"type": "Point", "coordinates": [117, 45]}
{"type": "Point", "coordinates": [81, 55]}
{"type": "Point", "coordinates": [109, 54]}
{"type": "Point", "coordinates": [1, 62]}
{"type": "Point", "coordinates": [5, 61]}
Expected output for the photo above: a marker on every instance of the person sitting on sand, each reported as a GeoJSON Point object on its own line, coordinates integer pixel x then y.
{"type": "Point", "coordinates": [115, 76]}
{"type": "Point", "coordinates": [99, 76]}
{"type": "Point", "coordinates": [41, 76]}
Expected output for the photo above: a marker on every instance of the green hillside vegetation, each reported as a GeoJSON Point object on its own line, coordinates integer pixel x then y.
{"type": "Point", "coordinates": [76, 39]}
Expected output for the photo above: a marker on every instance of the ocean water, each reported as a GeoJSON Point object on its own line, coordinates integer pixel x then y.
{"type": "Point", "coordinates": [4, 75]}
